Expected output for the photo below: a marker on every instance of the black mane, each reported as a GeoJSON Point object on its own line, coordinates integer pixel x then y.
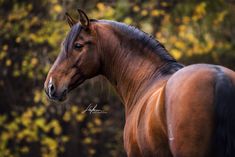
{"type": "Point", "coordinates": [147, 41]}
{"type": "Point", "coordinates": [142, 37]}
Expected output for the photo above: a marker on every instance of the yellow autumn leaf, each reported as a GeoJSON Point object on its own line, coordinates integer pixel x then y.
{"type": "Point", "coordinates": [80, 117]}
{"type": "Point", "coordinates": [24, 149]}
{"type": "Point", "coordinates": [3, 54]}
{"type": "Point", "coordinates": [176, 53]}
{"type": "Point", "coordinates": [51, 143]}
{"type": "Point", "coordinates": [201, 8]}
{"type": "Point", "coordinates": [57, 8]}
{"type": "Point", "coordinates": [186, 20]}
{"type": "Point", "coordinates": [136, 8]}
{"type": "Point", "coordinates": [100, 6]}
{"type": "Point", "coordinates": [164, 4]}
{"type": "Point", "coordinates": [182, 28]}
{"type": "Point", "coordinates": [5, 136]}
{"type": "Point", "coordinates": [56, 126]}
{"type": "Point", "coordinates": [190, 37]}
{"type": "Point", "coordinates": [37, 96]}
{"type": "Point", "coordinates": [40, 111]}
{"type": "Point", "coordinates": [74, 109]}
{"type": "Point", "coordinates": [40, 122]}
{"type": "Point", "coordinates": [91, 151]}
{"type": "Point", "coordinates": [18, 40]}
{"type": "Point", "coordinates": [28, 113]}
{"type": "Point", "coordinates": [87, 140]}
{"type": "Point", "coordinates": [16, 73]}
{"type": "Point", "coordinates": [34, 61]}
{"type": "Point", "coordinates": [144, 12]}
{"type": "Point", "coordinates": [180, 44]}
{"type": "Point", "coordinates": [67, 117]}
{"type": "Point", "coordinates": [128, 20]}
{"type": "Point", "coordinates": [220, 17]}
{"type": "Point", "coordinates": [65, 138]}
{"type": "Point", "coordinates": [5, 47]}
{"type": "Point", "coordinates": [97, 121]}
{"type": "Point", "coordinates": [200, 11]}
{"type": "Point", "coordinates": [155, 12]}
{"type": "Point", "coordinates": [8, 62]}
{"type": "Point", "coordinates": [3, 118]}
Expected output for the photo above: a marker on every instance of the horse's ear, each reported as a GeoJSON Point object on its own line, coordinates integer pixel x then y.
{"type": "Point", "coordinates": [70, 20]}
{"type": "Point", "coordinates": [83, 18]}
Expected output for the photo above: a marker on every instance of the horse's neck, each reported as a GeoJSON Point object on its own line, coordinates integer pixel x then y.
{"type": "Point", "coordinates": [129, 73]}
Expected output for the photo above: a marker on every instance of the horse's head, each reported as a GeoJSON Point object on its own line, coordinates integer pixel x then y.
{"type": "Point", "coordinates": [77, 61]}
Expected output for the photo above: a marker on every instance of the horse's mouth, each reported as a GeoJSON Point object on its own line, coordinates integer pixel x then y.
{"type": "Point", "coordinates": [63, 96]}
{"type": "Point", "coordinates": [60, 98]}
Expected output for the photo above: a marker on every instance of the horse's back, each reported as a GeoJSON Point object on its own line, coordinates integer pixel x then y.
{"type": "Point", "coordinates": [190, 95]}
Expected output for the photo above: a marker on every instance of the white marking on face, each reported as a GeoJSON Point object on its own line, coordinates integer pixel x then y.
{"type": "Point", "coordinates": [50, 80]}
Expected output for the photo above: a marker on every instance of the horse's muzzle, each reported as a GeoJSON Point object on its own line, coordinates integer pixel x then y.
{"type": "Point", "coordinates": [53, 93]}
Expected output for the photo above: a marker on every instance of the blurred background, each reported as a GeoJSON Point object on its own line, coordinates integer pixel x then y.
{"type": "Point", "coordinates": [194, 31]}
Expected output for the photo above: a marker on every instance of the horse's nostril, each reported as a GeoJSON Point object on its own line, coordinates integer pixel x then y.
{"type": "Point", "coordinates": [51, 90]}
{"type": "Point", "coordinates": [52, 87]}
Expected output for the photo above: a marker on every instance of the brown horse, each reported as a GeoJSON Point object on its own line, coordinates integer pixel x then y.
{"type": "Point", "coordinates": [171, 110]}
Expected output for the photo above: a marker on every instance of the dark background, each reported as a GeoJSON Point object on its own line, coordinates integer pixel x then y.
{"type": "Point", "coordinates": [194, 31]}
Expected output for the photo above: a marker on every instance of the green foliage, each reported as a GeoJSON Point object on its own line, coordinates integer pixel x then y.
{"type": "Point", "coordinates": [31, 33]}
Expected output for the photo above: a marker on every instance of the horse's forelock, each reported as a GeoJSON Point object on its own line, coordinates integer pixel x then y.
{"type": "Point", "coordinates": [71, 37]}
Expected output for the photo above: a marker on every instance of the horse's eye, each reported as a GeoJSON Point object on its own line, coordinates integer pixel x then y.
{"type": "Point", "coordinates": [78, 46]}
